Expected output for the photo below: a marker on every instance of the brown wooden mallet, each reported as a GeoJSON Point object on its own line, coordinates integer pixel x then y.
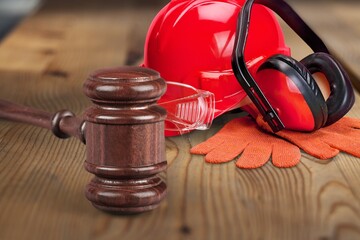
{"type": "Point", "coordinates": [124, 135]}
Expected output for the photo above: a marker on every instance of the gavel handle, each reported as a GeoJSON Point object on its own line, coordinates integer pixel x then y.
{"type": "Point", "coordinates": [63, 124]}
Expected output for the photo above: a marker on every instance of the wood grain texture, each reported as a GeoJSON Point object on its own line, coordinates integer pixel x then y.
{"type": "Point", "coordinates": [42, 178]}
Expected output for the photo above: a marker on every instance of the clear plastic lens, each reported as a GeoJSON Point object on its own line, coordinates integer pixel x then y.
{"type": "Point", "coordinates": [187, 108]}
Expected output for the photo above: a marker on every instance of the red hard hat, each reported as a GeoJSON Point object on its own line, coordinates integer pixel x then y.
{"type": "Point", "coordinates": [191, 42]}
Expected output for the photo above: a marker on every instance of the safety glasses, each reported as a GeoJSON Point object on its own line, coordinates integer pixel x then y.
{"type": "Point", "coordinates": [187, 108]}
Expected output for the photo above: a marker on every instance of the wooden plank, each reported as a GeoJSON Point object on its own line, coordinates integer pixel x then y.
{"type": "Point", "coordinates": [42, 178]}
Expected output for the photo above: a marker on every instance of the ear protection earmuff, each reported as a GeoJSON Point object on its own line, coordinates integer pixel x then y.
{"type": "Point", "coordinates": [285, 92]}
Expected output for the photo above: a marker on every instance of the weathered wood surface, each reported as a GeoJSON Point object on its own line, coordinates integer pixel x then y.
{"type": "Point", "coordinates": [44, 63]}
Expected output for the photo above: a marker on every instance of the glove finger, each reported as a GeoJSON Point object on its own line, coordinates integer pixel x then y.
{"type": "Point", "coordinates": [236, 127]}
{"type": "Point", "coordinates": [285, 154]}
{"type": "Point", "coordinates": [208, 145]}
{"type": "Point", "coordinates": [344, 135]}
{"type": "Point", "coordinates": [255, 155]}
{"type": "Point", "coordinates": [311, 143]}
{"type": "Point", "coordinates": [225, 152]}
{"type": "Point", "coordinates": [350, 122]}
{"type": "Point", "coordinates": [347, 129]}
{"type": "Point", "coordinates": [344, 143]}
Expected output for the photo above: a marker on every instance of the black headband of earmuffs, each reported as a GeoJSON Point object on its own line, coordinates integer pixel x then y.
{"type": "Point", "coordinates": [240, 70]}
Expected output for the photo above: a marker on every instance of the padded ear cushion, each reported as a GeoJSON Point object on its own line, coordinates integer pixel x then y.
{"type": "Point", "coordinates": [341, 97]}
{"type": "Point", "coordinates": [304, 81]}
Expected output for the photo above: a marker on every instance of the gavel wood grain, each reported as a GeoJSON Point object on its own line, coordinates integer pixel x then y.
{"type": "Point", "coordinates": [123, 132]}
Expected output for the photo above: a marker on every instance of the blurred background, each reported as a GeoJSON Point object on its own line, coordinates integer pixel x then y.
{"type": "Point", "coordinates": [12, 11]}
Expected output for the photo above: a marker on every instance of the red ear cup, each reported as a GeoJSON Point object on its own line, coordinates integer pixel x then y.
{"type": "Point", "coordinates": [341, 97]}
{"type": "Point", "coordinates": [293, 93]}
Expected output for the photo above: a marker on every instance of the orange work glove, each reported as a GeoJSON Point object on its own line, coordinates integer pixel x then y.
{"type": "Point", "coordinates": [242, 135]}
{"type": "Point", "coordinates": [327, 142]}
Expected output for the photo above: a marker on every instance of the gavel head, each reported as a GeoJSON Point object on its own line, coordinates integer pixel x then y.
{"type": "Point", "coordinates": [125, 139]}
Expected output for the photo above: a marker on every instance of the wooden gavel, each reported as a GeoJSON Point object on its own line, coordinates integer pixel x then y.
{"type": "Point", "coordinates": [124, 135]}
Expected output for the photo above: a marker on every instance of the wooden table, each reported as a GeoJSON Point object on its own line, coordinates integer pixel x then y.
{"type": "Point", "coordinates": [43, 64]}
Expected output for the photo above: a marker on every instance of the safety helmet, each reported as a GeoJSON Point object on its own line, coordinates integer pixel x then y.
{"type": "Point", "coordinates": [191, 42]}
{"type": "Point", "coordinates": [211, 48]}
